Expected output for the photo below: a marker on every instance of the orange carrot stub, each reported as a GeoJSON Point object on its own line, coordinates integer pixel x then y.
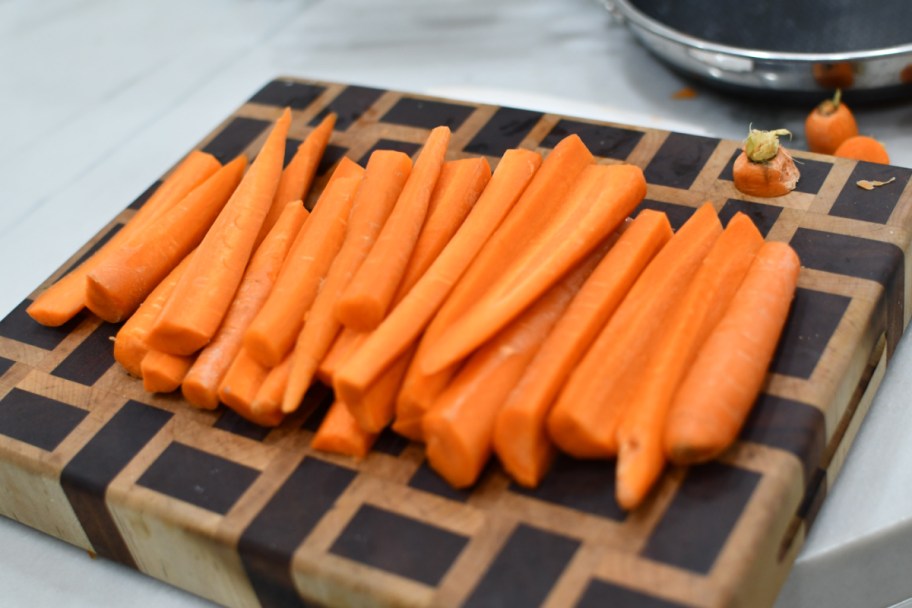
{"type": "Point", "coordinates": [722, 384]}
{"type": "Point", "coordinates": [829, 124]}
{"type": "Point", "coordinates": [520, 437]}
{"type": "Point", "coordinates": [862, 147]}
{"type": "Point", "coordinates": [765, 168]}
{"type": "Point", "coordinates": [199, 302]}
{"type": "Point", "coordinates": [641, 456]}
{"type": "Point", "coordinates": [163, 372]}
{"type": "Point", "coordinates": [339, 433]}
{"type": "Point", "coordinates": [64, 299]}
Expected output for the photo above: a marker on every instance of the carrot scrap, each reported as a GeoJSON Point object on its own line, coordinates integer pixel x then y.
{"type": "Point", "coordinates": [862, 147]}
{"type": "Point", "coordinates": [870, 184]}
{"type": "Point", "coordinates": [765, 168]}
{"type": "Point", "coordinates": [829, 124]}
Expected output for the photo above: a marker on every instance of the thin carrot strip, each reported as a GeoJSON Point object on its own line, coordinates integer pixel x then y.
{"type": "Point", "coordinates": [734, 359]}
{"type": "Point", "coordinates": [641, 455]}
{"type": "Point", "coordinates": [199, 302]}
{"type": "Point", "coordinates": [117, 286]}
{"type": "Point", "coordinates": [342, 347]}
{"type": "Point", "coordinates": [241, 382]}
{"type": "Point", "coordinates": [200, 387]}
{"type": "Point", "coordinates": [367, 297]}
{"type": "Point", "coordinates": [339, 433]}
{"type": "Point", "coordinates": [267, 403]}
{"type": "Point", "coordinates": [272, 332]}
{"type": "Point", "coordinates": [520, 437]}
{"type": "Point", "coordinates": [163, 372]}
{"type": "Point", "coordinates": [64, 299]}
{"type": "Point", "coordinates": [584, 419]}
{"type": "Point", "coordinates": [459, 427]}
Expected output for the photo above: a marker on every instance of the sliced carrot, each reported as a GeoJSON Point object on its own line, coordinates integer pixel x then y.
{"type": "Point", "coordinates": [342, 347]}
{"type": "Point", "coordinates": [267, 403]}
{"type": "Point", "coordinates": [368, 295]}
{"type": "Point", "coordinates": [64, 299]}
{"type": "Point", "coordinates": [339, 433]}
{"type": "Point", "coordinates": [602, 198]}
{"type": "Point", "coordinates": [272, 332]}
{"type": "Point", "coordinates": [720, 387]}
{"type": "Point", "coordinates": [584, 419]}
{"type": "Point", "coordinates": [408, 319]}
{"type": "Point", "coordinates": [458, 429]}
{"type": "Point", "coordinates": [520, 437]}
{"type": "Point", "coordinates": [200, 387]}
{"type": "Point", "coordinates": [195, 310]}
{"type": "Point", "coordinates": [116, 287]}
{"type": "Point", "coordinates": [862, 147]}
{"type": "Point", "coordinates": [641, 455]}
{"type": "Point", "coordinates": [417, 396]}
{"type": "Point", "coordinates": [241, 382]}
{"type": "Point", "coordinates": [829, 124]}
{"type": "Point", "coordinates": [163, 372]}
{"type": "Point", "coordinates": [376, 408]}
{"type": "Point", "coordinates": [764, 168]}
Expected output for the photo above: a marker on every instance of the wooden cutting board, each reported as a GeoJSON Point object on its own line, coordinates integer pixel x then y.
{"type": "Point", "coordinates": [250, 516]}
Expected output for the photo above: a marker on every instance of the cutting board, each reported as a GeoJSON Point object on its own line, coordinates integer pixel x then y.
{"type": "Point", "coordinates": [250, 516]}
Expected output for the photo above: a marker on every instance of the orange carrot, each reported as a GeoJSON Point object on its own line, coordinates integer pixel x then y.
{"type": "Point", "coordinates": [641, 455]}
{"type": "Point", "coordinates": [722, 384]}
{"type": "Point", "coordinates": [162, 372]}
{"type": "Point", "coordinates": [116, 287]}
{"type": "Point", "coordinates": [241, 382]}
{"type": "Point", "coordinates": [459, 427]}
{"type": "Point", "coordinates": [520, 437]}
{"type": "Point", "coordinates": [376, 407]}
{"type": "Point", "coordinates": [584, 419]}
{"type": "Point", "coordinates": [764, 168]}
{"type": "Point", "coordinates": [368, 295]}
{"type": "Point", "coordinates": [862, 147]}
{"type": "Point", "coordinates": [829, 124]}
{"type": "Point", "coordinates": [603, 197]}
{"type": "Point", "coordinates": [64, 299]}
{"type": "Point", "coordinates": [298, 175]}
{"type": "Point", "coordinates": [404, 324]}
{"type": "Point", "coordinates": [200, 387]}
{"type": "Point", "coordinates": [339, 433]}
{"type": "Point", "coordinates": [267, 403]}
{"type": "Point", "coordinates": [272, 332]}
{"type": "Point", "coordinates": [418, 394]}
{"type": "Point", "coordinates": [342, 347]}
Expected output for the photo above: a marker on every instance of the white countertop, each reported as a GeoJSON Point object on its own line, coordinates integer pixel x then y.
{"type": "Point", "coordinates": [99, 98]}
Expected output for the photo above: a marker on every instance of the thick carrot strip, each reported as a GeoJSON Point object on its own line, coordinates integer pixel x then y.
{"type": "Point", "coordinates": [375, 410]}
{"type": "Point", "coordinates": [339, 433]}
{"type": "Point", "coordinates": [267, 403]}
{"type": "Point", "coordinates": [200, 387]}
{"type": "Point", "coordinates": [64, 299]}
{"type": "Point", "coordinates": [241, 382]}
{"type": "Point", "coordinates": [520, 437]}
{"type": "Point", "coordinates": [368, 295]}
{"type": "Point", "coordinates": [720, 387]}
{"type": "Point", "coordinates": [408, 319]}
{"type": "Point", "coordinates": [584, 419]}
{"type": "Point", "coordinates": [195, 310]}
{"type": "Point", "coordinates": [298, 175]}
{"type": "Point", "coordinates": [641, 455]}
{"type": "Point", "coordinates": [272, 332]}
{"type": "Point", "coordinates": [118, 286]}
{"type": "Point", "coordinates": [417, 396]}
{"type": "Point", "coordinates": [163, 372]}
{"type": "Point", "coordinates": [458, 430]}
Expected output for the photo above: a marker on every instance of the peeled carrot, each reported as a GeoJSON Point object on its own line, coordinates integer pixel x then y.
{"type": "Point", "coordinates": [641, 456]}
{"type": "Point", "coordinates": [339, 433]}
{"type": "Point", "coordinates": [267, 403]}
{"type": "Point", "coordinates": [272, 332]}
{"type": "Point", "coordinates": [722, 384]}
{"type": "Point", "coordinates": [117, 286]}
{"type": "Point", "coordinates": [241, 382]}
{"type": "Point", "coordinates": [520, 437]}
{"type": "Point", "coordinates": [368, 295]}
{"type": "Point", "coordinates": [764, 168]}
{"type": "Point", "coordinates": [407, 320]}
{"type": "Point", "coordinates": [200, 386]}
{"type": "Point", "coordinates": [377, 406]}
{"type": "Point", "coordinates": [346, 342]}
{"type": "Point", "coordinates": [862, 147]}
{"type": "Point", "coordinates": [64, 299]}
{"type": "Point", "coordinates": [829, 124]}
{"type": "Point", "coordinates": [458, 429]}
{"type": "Point", "coordinates": [584, 419]}
{"type": "Point", "coordinates": [195, 310]}
{"type": "Point", "coordinates": [163, 372]}
{"type": "Point", "coordinates": [603, 197]}
{"type": "Point", "coordinates": [418, 395]}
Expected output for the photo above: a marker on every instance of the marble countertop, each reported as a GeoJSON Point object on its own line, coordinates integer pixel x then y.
{"type": "Point", "coordinates": [100, 97]}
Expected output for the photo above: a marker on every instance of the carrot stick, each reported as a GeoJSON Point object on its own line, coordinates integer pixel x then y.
{"type": "Point", "coordinates": [764, 168]}
{"type": "Point", "coordinates": [862, 147]}
{"type": "Point", "coordinates": [64, 299]}
{"type": "Point", "coordinates": [342, 347]}
{"type": "Point", "coordinates": [720, 387]}
{"type": "Point", "coordinates": [267, 403]}
{"type": "Point", "coordinates": [298, 175]}
{"type": "Point", "coordinates": [272, 332]}
{"type": "Point", "coordinates": [367, 297]}
{"type": "Point", "coordinates": [241, 382]}
{"type": "Point", "coordinates": [602, 198]}
{"type": "Point", "coordinates": [375, 410]}
{"type": "Point", "coordinates": [117, 286]}
{"type": "Point", "coordinates": [641, 455]}
{"type": "Point", "coordinates": [459, 427]}
{"type": "Point", "coordinates": [339, 433]}
{"type": "Point", "coordinates": [163, 372]}
{"type": "Point", "coordinates": [407, 320]}
{"type": "Point", "coordinates": [200, 387]}
{"type": "Point", "coordinates": [584, 419]}
{"type": "Point", "coordinates": [520, 437]}
{"type": "Point", "coordinates": [829, 124]}
{"type": "Point", "coordinates": [195, 310]}
{"type": "Point", "coordinates": [130, 345]}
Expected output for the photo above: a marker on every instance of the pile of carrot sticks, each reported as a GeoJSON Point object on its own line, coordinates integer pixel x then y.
{"type": "Point", "coordinates": [513, 313]}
